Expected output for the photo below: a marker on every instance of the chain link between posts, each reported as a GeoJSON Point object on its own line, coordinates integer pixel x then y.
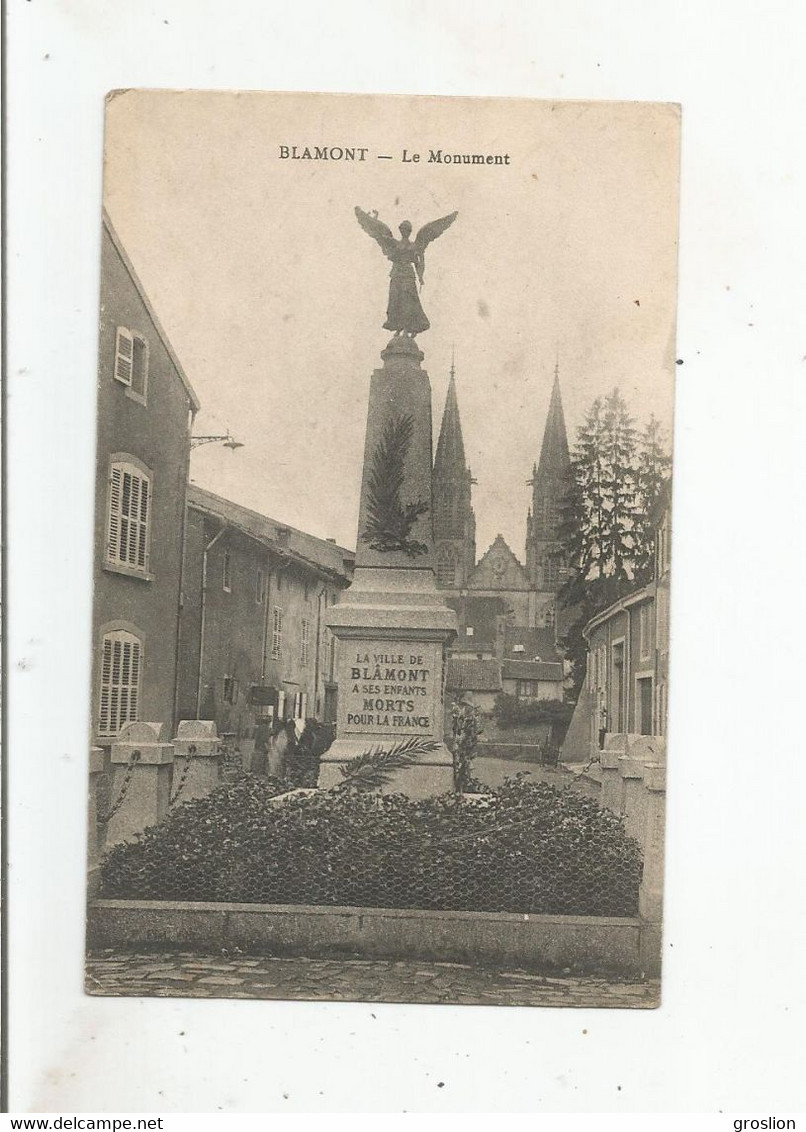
{"type": "Point", "coordinates": [134, 759]}
{"type": "Point", "coordinates": [183, 777]}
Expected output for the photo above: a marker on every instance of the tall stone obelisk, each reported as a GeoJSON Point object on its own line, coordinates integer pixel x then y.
{"type": "Point", "coordinates": [392, 625]}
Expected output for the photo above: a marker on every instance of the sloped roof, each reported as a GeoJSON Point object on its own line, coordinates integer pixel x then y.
{"type": "Point", "coordinates": [531, 670]}
{"type": "Point", "coordinates": [481, 612]}
{"type": "Point", "coordinates": [538, 643]}
{"type": "Point", "coordinates": [152, 314]}
{"type": "Point", "coordinates": [473, 675]}
{"type": "Point", "coordinates": [317, 552]}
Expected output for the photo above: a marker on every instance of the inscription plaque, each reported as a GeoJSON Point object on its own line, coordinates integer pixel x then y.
{"type": "Point", "coordinates": [390, 688]}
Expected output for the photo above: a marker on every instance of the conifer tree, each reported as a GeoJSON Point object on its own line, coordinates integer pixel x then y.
{"type": "Point", "coordinates": [614, 479]}
{"type": "Point", "coordinates": [652, 472]}
{"type": "Point", "coordinates": [619, 490]}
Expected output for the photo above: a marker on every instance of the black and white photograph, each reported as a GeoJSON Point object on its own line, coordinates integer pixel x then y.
{"type": "Point", "coordinates": [402, 591]}
{"type": "Point", "coordinates": [382, 549]}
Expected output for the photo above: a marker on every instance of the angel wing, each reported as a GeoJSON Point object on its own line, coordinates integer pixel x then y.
{"type": "Point", "coordinates": [377, 229]}
{"type": "Point", "coordinates": [429, 232]}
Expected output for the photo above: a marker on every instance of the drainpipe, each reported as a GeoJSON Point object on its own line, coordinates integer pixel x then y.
{"type": "Point", "coordinates": [318, 646]}
{"type": "Point", "coordinates": [183, 555]}
{"type": "Point", "coordinates": [207, 550]}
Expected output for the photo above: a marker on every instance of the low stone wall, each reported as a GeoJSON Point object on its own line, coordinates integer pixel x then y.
{"type": "Point", "coordinates": [586, 944]}
{"type": "Point", "coordinates": [521, 752]}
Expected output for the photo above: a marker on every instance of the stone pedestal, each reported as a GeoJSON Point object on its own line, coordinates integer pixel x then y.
{"type": "Point", "coordinates": [392, 625]}
{"type": "Point", "coordinates": [141, 761]}
{"type": "Point", "coordinates": [197, 751]}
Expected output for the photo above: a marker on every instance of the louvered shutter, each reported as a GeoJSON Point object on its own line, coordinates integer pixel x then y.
{"type": "Point", "coordinates": [129, 516]}
{"type": "Point", "coordinates": [113, 540]}
{"type": "Point", "coordinates": [104, 722]}
{"type": "Point", "coordinates": [120, 682]}
{"type": "Point", "coordinates": [142, 537]}
{"type": "Point", "coordinates": [134, 688]}
{"type": "Point", "coordinates": [124, 355]}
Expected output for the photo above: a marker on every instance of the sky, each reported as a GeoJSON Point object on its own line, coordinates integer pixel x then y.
{"type": "Point", "coordinates": [274, 298]}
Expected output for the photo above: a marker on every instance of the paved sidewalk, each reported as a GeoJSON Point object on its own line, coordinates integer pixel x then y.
{"type": "Point", "coordinates": [188, 974]}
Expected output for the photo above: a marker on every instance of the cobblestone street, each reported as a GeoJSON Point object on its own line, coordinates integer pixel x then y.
{"type": "Point", "coordinates": [188, 974]}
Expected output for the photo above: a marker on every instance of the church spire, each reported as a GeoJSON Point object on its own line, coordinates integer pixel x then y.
{"type": "Point", "coordinates": [549, 486]}
{"type": "Point", "coordinates": [450, 457]}
{"type": "Point", "coordinates": [554, 451]}
{"type": "Point", "coordinates": [454, 521]}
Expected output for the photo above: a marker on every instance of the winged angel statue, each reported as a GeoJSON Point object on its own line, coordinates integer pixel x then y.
{"type": "Point", "coordinates": [404, 314]}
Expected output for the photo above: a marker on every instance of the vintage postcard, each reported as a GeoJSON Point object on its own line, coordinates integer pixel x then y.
{"type": "Point", "coordinates": [382, 548]}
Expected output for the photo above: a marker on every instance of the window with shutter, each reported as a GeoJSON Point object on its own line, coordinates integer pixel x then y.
{"type": "Point", "coordinates": [306, 639]}
{"type": "Point", "coordinates": [131, 361]}
{"type": "Point", "coordinates": [281, 705]}
{"type": "Point", "coordinates": [227, 573]}
{"type": "Point", "coordinates": [129, 518]}
{"type": "Point", "coordinates": [121, 665]}
{"type": "Point", "coordinates": [140, 367]}
{"type": "Point", "coordinates": [277, 633]}
{"type": "Point", "coordinates": [124, 356]}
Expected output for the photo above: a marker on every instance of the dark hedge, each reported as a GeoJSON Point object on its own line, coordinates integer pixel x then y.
{"type": "Point", "coordinates": [528, 848]}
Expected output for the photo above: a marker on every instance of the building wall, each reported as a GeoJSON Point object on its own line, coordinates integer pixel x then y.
{"type": "Point", "coordinates": [546, 689]}
{"type": "Point", "coordinates": [238, 628]}
{"type": "Point", "coordinates": [623, 627]}
{"type": "Point", "coordinates": [157, 435]}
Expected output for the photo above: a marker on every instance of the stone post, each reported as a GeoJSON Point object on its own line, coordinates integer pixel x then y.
{"type": "Point", "coordinates": [141, 760]}
{"type": "Point", "coordinates": [611, 795]}
{"type": "Point", "coordinates": [650, 896]}
{"type": "Point", "coordinates": [392, 624]}
{"type": "Point", "coordinates": [632, 784]}
{"type": "Point", "coordinates": [196, 759]}
{"type": "Point", "coordinates": [94, 832]}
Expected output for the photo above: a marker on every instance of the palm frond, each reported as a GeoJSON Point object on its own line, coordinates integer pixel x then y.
{"type": "Point", "coordinates": [372, 768]}
{"type": "Point", "coordinates": [390, 521]}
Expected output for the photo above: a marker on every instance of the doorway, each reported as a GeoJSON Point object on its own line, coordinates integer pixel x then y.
{"type": "Point", "coordinates": [644, 703]}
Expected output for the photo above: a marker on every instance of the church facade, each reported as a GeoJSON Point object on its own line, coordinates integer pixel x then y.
{"type": "Point", "coordinates": [499, 594]}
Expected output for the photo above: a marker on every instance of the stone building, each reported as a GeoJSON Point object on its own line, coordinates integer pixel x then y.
{"type": "Point", "coordinates": [528, 590]}
{"type": "Point", "coordinates": [253, 638]}
{"type": "Point", "coordinates": [146, 407]}
{"type": "Point", "coordinates": [626, 685]}
{"type": "Point", "coordinates": [499, 598]}
{"type": "Point", "coordinates": [474, 681]}
{"type": "Point", "coordinates": [532, 679]}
